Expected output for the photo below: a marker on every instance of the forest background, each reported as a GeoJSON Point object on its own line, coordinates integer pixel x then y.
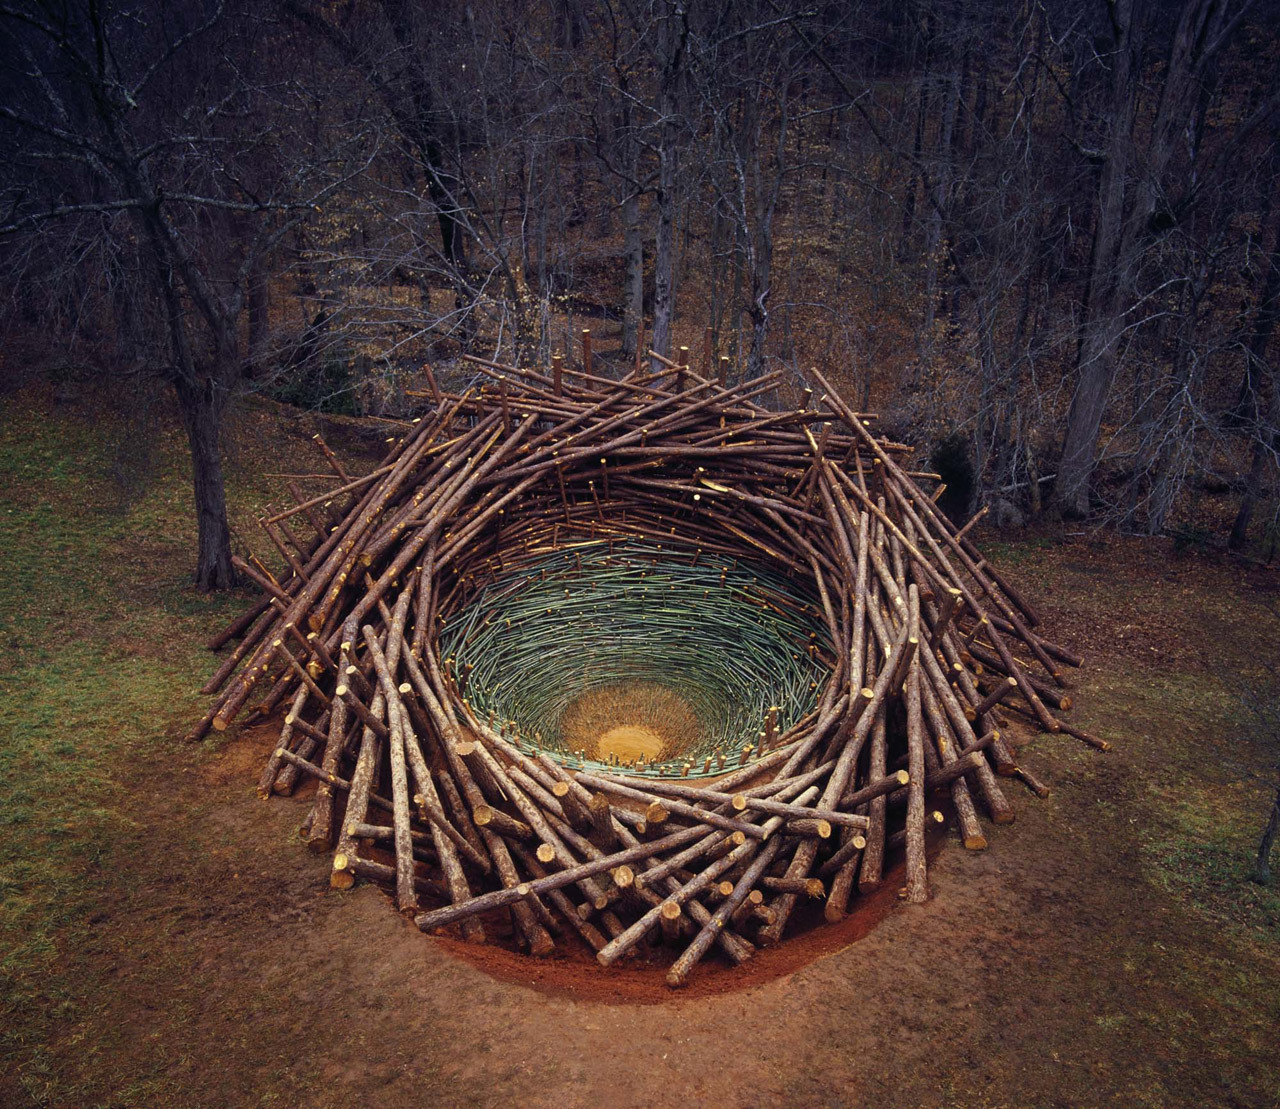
{"type": "Point", "coordinates": [1040, 238]}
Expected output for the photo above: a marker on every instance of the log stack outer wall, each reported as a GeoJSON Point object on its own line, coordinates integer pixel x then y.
{"type": "Point", "coordinates": [473, 826]}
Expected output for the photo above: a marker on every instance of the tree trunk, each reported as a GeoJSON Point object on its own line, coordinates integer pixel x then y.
{"type": "Point", "coordinates": [1121, 236]}
{"type": "Point", "coordinates": [1100, 330]}
{"type": "Point", "coordinates": [1264, 450]}
{"type": "Point", "coordinates": [664, 254]}
{"type": "Point", "coordinates": [1247, 407]}
{"type": "Point", "coordinates": [202, 403]}
{"type": "Point", "coordinates": [258, 303]}
{"type": "Point", "coordinates": [761, 279]}
{"type": "Point", "coordinates": [939, 199]}
{"type": "Point", "coordinates": [761, 236]}
{"type": "Point", "coordinates": [633, 287]}
{"type": "Point", "coordinates": [1262, 866]}
{"type": "Point", "coordinates": [670, 51]}
{"type": "Point", "coordinates": [917, 146]}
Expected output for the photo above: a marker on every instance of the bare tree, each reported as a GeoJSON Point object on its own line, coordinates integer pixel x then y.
{"type": "Point", "coordinates": [1259, 400]}
{"type": "Point", "coordinates": [169, 123]}
{"type": "Point", "coordinates": [672, 61]}
{"type": "Point", "coordinates": [1262, 699]}
{"type": "Point", "coordinates": [750, 72]}
{"type": "Point", "coordinates": [1133, 198]}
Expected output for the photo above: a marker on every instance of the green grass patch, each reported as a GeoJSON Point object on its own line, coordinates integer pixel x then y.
{"type": "Point", "coordinates": [101, 662]}
{"type": "Point", "coordinates": [1201, 853]}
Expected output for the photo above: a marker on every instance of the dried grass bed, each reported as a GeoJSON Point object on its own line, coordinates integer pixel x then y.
{"type": "Point", "coordinates": [630, 723]}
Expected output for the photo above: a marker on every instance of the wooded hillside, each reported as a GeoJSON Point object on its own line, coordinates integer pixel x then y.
{"type": "Point", "coordinates": [1041, 238]}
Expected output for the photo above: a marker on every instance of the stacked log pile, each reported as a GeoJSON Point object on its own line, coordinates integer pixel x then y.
{"type": "Point", "coordinates": [475, 827]}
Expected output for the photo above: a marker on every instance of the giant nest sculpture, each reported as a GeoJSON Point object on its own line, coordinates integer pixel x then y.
{"type": "Point", "coordinates": [637, 661]}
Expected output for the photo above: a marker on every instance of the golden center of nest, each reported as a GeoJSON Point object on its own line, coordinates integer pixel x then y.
{"type": "Point", "coordinates": [630, 721]}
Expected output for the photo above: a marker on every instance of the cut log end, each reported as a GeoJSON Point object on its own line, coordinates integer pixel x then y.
{"type": "Point", "coordinates": [656, 813]}
{"type": "Point", "coordinates": [342, 877]}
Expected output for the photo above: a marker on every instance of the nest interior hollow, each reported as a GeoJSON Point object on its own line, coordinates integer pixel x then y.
{"type": "Point", "coordinates": [681, 656]}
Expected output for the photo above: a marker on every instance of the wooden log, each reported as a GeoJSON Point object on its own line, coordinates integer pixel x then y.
{"type": "Point", "coordinates": [740, 802]}
{"type": "Point", "coordinates": [406, 896]}
{"type": "Point", "coordinates": [269, 772]}
{"type": "Point", "coordinates": [807, 887]}
{"type": "Point", "coordinates": [322, 810]}
{"type": "Point", "coordinates": [655, 814]}
{"type": "Point", "coordinates": [679, 973]}
{"type": "Point", "coordinates": [367, 762]}
{"type": "Point", "coordinates": [538, 823]}
{"type": "Point", "coordinates": [872, 860]}
{"type": "Point", "coordinates": [916, 885]}
{"type": "Point", "coordinates": [380, 872]}
{"type": "Point", "coordinates": [878, 788]}
{"type": "Point", "coordinates": [578, 815]}
{"type": "Point", "coordinates": [601, 813]}
{"type": "Point", "coordinates": [498, 899]}
{"type": "Point", "coordinates": [845, 854]}
{"type": "Point", "coordinates": [821, 829]}
{"type": "Point", "coordinates": [451, 846]}
{"type": "Point", "coordinates": [998, 694]}
{"type": "Point", "coordinates": [806, 854]}
{"type": "Point", "coordinates": [1032, 782]}
{"type": "Point", "coordinates": [946, 612]}
{"type": "Point", "coordinates": [1001, 756]}
{"type": "Point", "coordinates": [998, 807]}
{"type": "Point", "coordinates": [750, 905]}
{"type": "Point", "coordinates": [367, 715]}
{"type": "Point", "coordinates": [684, 895]}
{"type": "Point", "coordinates": [486, 816]}
{"type": "Point", "coordinates": [559, 901]}
{"type": "Point", "coordinates": [669, 914]}
{"type": "Point", "coordinates": [1046, 692]}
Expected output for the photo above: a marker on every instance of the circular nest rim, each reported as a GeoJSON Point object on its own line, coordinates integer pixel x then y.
{"type": "Point", "coordinates": [500, 476]}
